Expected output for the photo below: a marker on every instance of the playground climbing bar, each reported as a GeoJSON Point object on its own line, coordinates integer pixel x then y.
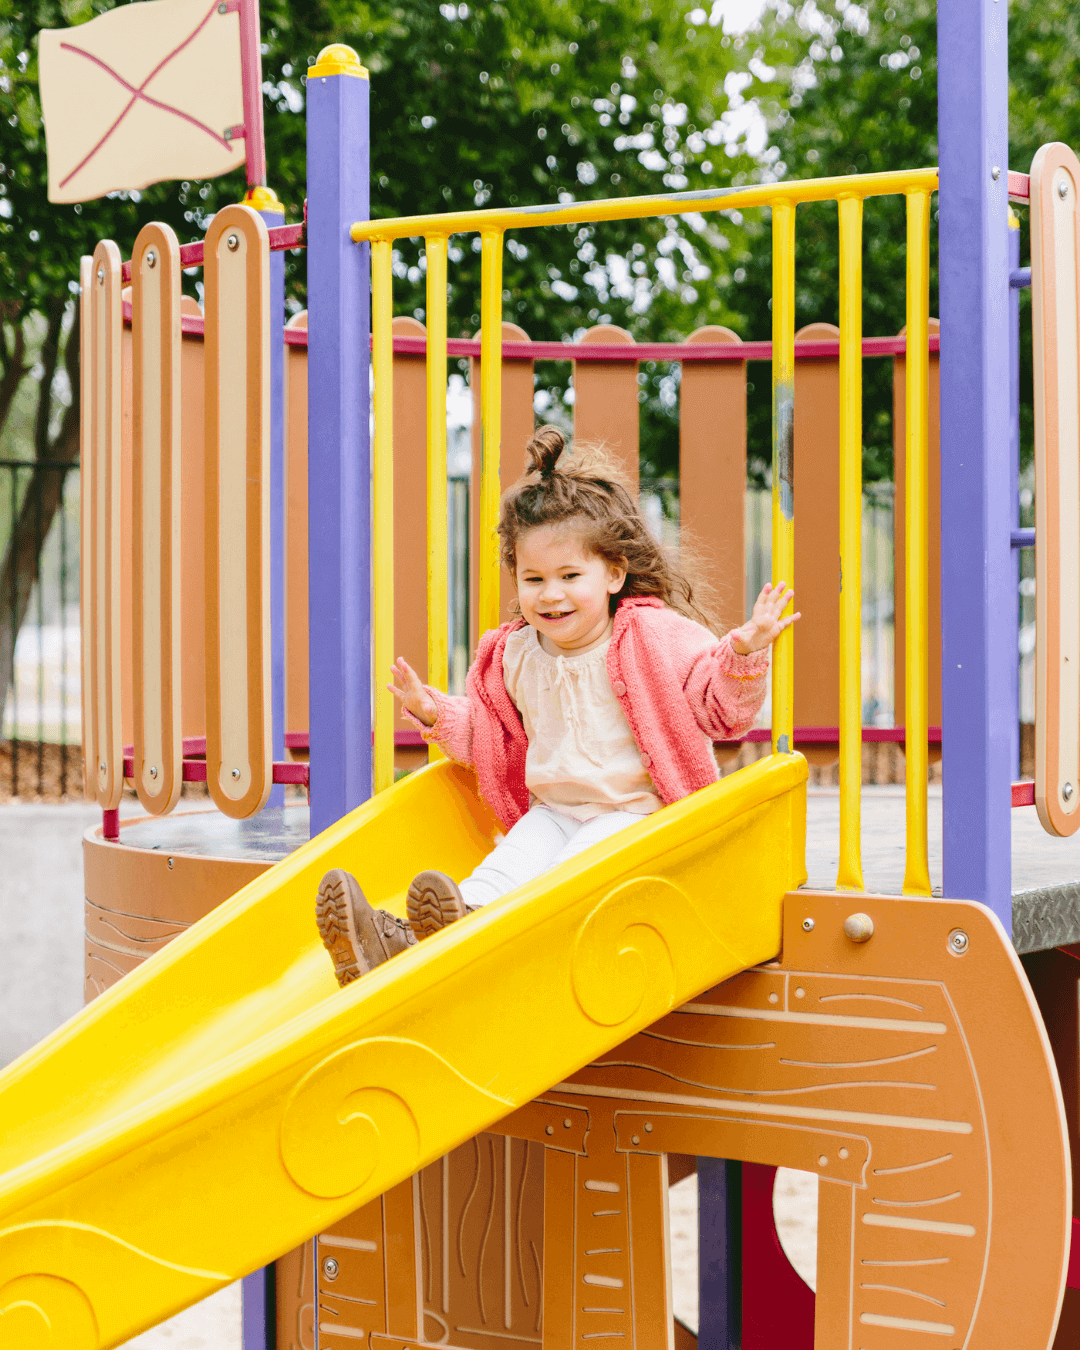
{"type": "Point", "coordinates": [382, 365]}
{"type": "Point", "coordinates": [917, 187]}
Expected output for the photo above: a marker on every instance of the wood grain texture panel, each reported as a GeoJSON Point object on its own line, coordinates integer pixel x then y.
{"type": "Point", "coordinates": [606, 407]}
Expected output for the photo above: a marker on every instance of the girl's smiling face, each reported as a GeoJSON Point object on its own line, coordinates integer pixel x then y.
{"type": "Point", "coordinates": [564, 589]}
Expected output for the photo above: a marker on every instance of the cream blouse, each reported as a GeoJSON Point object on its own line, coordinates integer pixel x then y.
{"type": "Point", "coordinates": [582, 759]}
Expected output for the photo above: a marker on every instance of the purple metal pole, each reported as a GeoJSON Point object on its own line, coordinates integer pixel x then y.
{"type": "Point", "coordinates": [339, 445]}
{"type": "Point", "coordinates": [259, 1315]}
{"type": "Point", "coordinates": [719, 1254]}
{"type": "Point", "coordinates": [978, 619]}
{"type": "Point", "coordinates": [277, 503]}
{"type": "Point", "coordinates": [1014, 482]}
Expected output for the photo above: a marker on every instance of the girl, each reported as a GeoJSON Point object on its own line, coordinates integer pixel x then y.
{"type": "Point", "coordinates": [593, 709]}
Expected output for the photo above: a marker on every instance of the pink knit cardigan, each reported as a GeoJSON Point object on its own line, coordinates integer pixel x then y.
{"type": "Point", "coordinates": [672, 678]}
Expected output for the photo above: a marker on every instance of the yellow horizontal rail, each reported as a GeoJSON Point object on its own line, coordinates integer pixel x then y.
{"type": "Point", "coordinates": [861, 185]}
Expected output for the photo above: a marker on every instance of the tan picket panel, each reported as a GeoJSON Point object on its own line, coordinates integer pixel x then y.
{"type": "Point", "coordinates": [817, 549]}
{"type": "Point", "coordinates": [155, 530]}
{"type": "Point", "coordinates": [86, 530]}
{"type": "Point", "coordinates": [236, 269]}
{"type": "Point", "coordinates": [934, 525]}
{"type": "Point", "coordinates": [103, 374]}
{"type": "Point", "coordinates": [518, 421]}
{"type": "Point", "coordinates": [606, 408]}
{"type": "Point", "coordinates": [1055, 294]}
{"type": "Point", "coordinates": [712, 471]}
{"type": "Point", "coordinates": [296, 538]}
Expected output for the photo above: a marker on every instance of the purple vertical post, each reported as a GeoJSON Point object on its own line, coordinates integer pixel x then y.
{"type": "Point", "coordinates": [1014, 482]}
{"type": "Point", "coordinates": [719, 1254]}
{"type": "Point", "coordinates": [339, 441]}
{"type": "Point", "coordinates": [978, 630]}
{"type": "Point", "coordinates": [259, 1315]}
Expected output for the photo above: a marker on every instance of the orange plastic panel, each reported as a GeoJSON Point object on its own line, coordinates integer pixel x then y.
{"type": "Point", "coordinates": [155, 533]}
{"type": "Point", "coordinates": [236, 264]}
{"type": "Point", "coordinates": [712, 470]}
{"type": "Point", "coordinates": [518, 421]}
{"type": "Point", "coordinates": [102, 372]}
{"type": "Point", "coordinates": [934, 523]}
{"type": "Point", "coordinates": [296, 537]}
{"type": "Point", "coordinates": [817, 551]}
{"type": "Point", "coordinates": [1055, 326]}
{"type": "Point", "coordinates": [606, 409]}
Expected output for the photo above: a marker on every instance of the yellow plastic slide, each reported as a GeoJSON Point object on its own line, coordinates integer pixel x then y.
{"type": "Point", "coordinates": [226, 1100]}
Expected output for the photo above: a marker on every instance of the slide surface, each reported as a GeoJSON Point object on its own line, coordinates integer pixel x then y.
{"type": "Point", "coordinates": [226, 1100]}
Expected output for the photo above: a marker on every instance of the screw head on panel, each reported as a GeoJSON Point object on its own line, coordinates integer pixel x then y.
{"type": "Point", "coordinates": [153, 771]}
{"type": "Point", "coordinates": [995, 173]}
{"type": "Point", "coordinates": [808, 925]}
{"type": "Point", "coordinates": [958, 942]}
{"type": "Point", "coordinates": [223, 8]}
{"type": "Point", "coordinates": [330, 1268]}
{"type": "Point", "coordinates": [1067, 791]}
{"type": "Point", "coordinates": [236, 773]}
{"type": "Point", "coordinates": [101, 767]}
{"type": "Point", "coordinates": [1063, 188]}
{"type": "Point", "coordinates": [233, 242]}
{"type": "Point", "coordinates": [151, 258]}
{"type": "Point", "coordinates": [170, 862]}
{"type": "Point", "coordinates": [101, 276]}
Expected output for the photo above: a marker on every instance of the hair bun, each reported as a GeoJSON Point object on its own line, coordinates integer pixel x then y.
{"type": "Point", "coordinates": [544, 449]}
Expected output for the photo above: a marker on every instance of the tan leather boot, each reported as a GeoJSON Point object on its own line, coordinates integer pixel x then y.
{"type": "Point", "coordinates": [358, 937]}
{"type": "Point", "coordinates": [433, 902]}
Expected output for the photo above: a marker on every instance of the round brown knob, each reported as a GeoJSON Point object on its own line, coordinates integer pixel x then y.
{"type": "Point", "coordinates": [859, 927]}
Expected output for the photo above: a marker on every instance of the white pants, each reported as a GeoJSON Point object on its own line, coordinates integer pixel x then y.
{"type": "Point", "coordinates": [541, 839]}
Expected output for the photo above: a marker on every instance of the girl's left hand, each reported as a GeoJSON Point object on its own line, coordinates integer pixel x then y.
{"type": "Point", "coordinates": [765, 625]}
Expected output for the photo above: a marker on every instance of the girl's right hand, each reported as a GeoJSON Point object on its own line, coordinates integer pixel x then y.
{"type": "Point", "coordinates": [411, 694]}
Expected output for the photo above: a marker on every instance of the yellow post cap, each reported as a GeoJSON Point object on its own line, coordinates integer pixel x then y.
{"type": "Point", "coordinates": [337, 59]}
{"type": "Point", "coordinates": [262, 198]}
{"type": "Point", "coordinates": [1014, 219]}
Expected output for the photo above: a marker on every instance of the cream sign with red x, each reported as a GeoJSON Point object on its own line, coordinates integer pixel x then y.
{"type": "Point", "coordinates": [146, 92]}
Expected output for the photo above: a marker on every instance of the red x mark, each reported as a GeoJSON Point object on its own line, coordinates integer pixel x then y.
{"type": "Point", "coordinates": [139, 93]}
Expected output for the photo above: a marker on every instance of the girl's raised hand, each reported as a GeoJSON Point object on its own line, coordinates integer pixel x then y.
{"type": "Point", "coordinates": [765, 625]}
{"type": "Point", "coordinates": [411, 694]}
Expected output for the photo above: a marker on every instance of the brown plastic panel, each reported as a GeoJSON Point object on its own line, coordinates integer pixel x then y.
{"type": "Point", "coordinates": [103, 373]}
{"type": "Point", "coordinates": [712, 471]}
{"type": "Point", "coordinates": [236, 269]}
{"type": "Point", "coordinates": [606, 408]}
{"type": "Point", "coordinates": [943, 1142]}
{"type": "Point", "coordinates": [817, 551]}
{"type": "Point", "coordinates": [294, 1297]}
{"type": "Point", "coordinates": [1055, 328]}
{"type": "Point", "coordinates": [86, 528]}
{"type": "Point", "coordinates": [296, 538]}
{"type": "Point", "coordinates": [518, 421]}
{"type": "Point", "coordinates": [933, 450]}
{"type": "Point", "coordinates": [410, 508]}
{"type": "Point", "coordinates": [155, 531]}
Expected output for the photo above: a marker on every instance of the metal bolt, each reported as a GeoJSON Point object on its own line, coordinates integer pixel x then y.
{"type": "Point", "coordinates": [227, 133]}
{"type": "Point", "coordinates": [223, 8]}
{"type": "Point", "coordinates": [170, 864]}
{"type": "Point", "coordinates": [1067, 791]}
{"type": "Point", "coordinates": [101, 276]}
{"type": "Point", "coordinates": [233, 242]}
{"type": "Point", "coordinates": [151, 258]}
{"type": "Point", "coordinates": [236, 773]}
{"type": "Point", "coordinates": [958, 942]}
{"type": "Point", "coordinates": [859, 927]}
{"type": "Point", "coordinates": [995, 173]}
{"type": "Point", "coordinates": [101, 767]}
{"type": "Point", "coordinates": [1063, 189]}
{"type": "Point", "coordinates": [330, 1268]}
{"type": "Point", "coordinates": [808, 925]}
{"type": "Point", "coordinates": [153, 771]}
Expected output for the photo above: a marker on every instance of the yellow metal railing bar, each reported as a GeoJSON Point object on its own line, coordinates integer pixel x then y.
{"type": "Point", "coordinates": [438, 562]}
{"type": "Point", "coordinates": [849, 875]}
{"type": "Point", "coordinates": [783, 464]}
{"type": "Point", "coordinates": [491, 251]}
{"type": "Point", "coordinates": [382, 360]}
{"type": "Point", "coordinates": [916, 536]}
{"type": "Point", "coordinates": [637, 208]}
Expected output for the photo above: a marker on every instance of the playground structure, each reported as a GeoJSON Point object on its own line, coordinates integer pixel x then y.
{"type": "Point", "coordinates": [481, 1133]}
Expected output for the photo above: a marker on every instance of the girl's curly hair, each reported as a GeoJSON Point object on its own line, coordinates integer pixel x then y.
{"type": "Point", "coordinates": [586, 489]}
